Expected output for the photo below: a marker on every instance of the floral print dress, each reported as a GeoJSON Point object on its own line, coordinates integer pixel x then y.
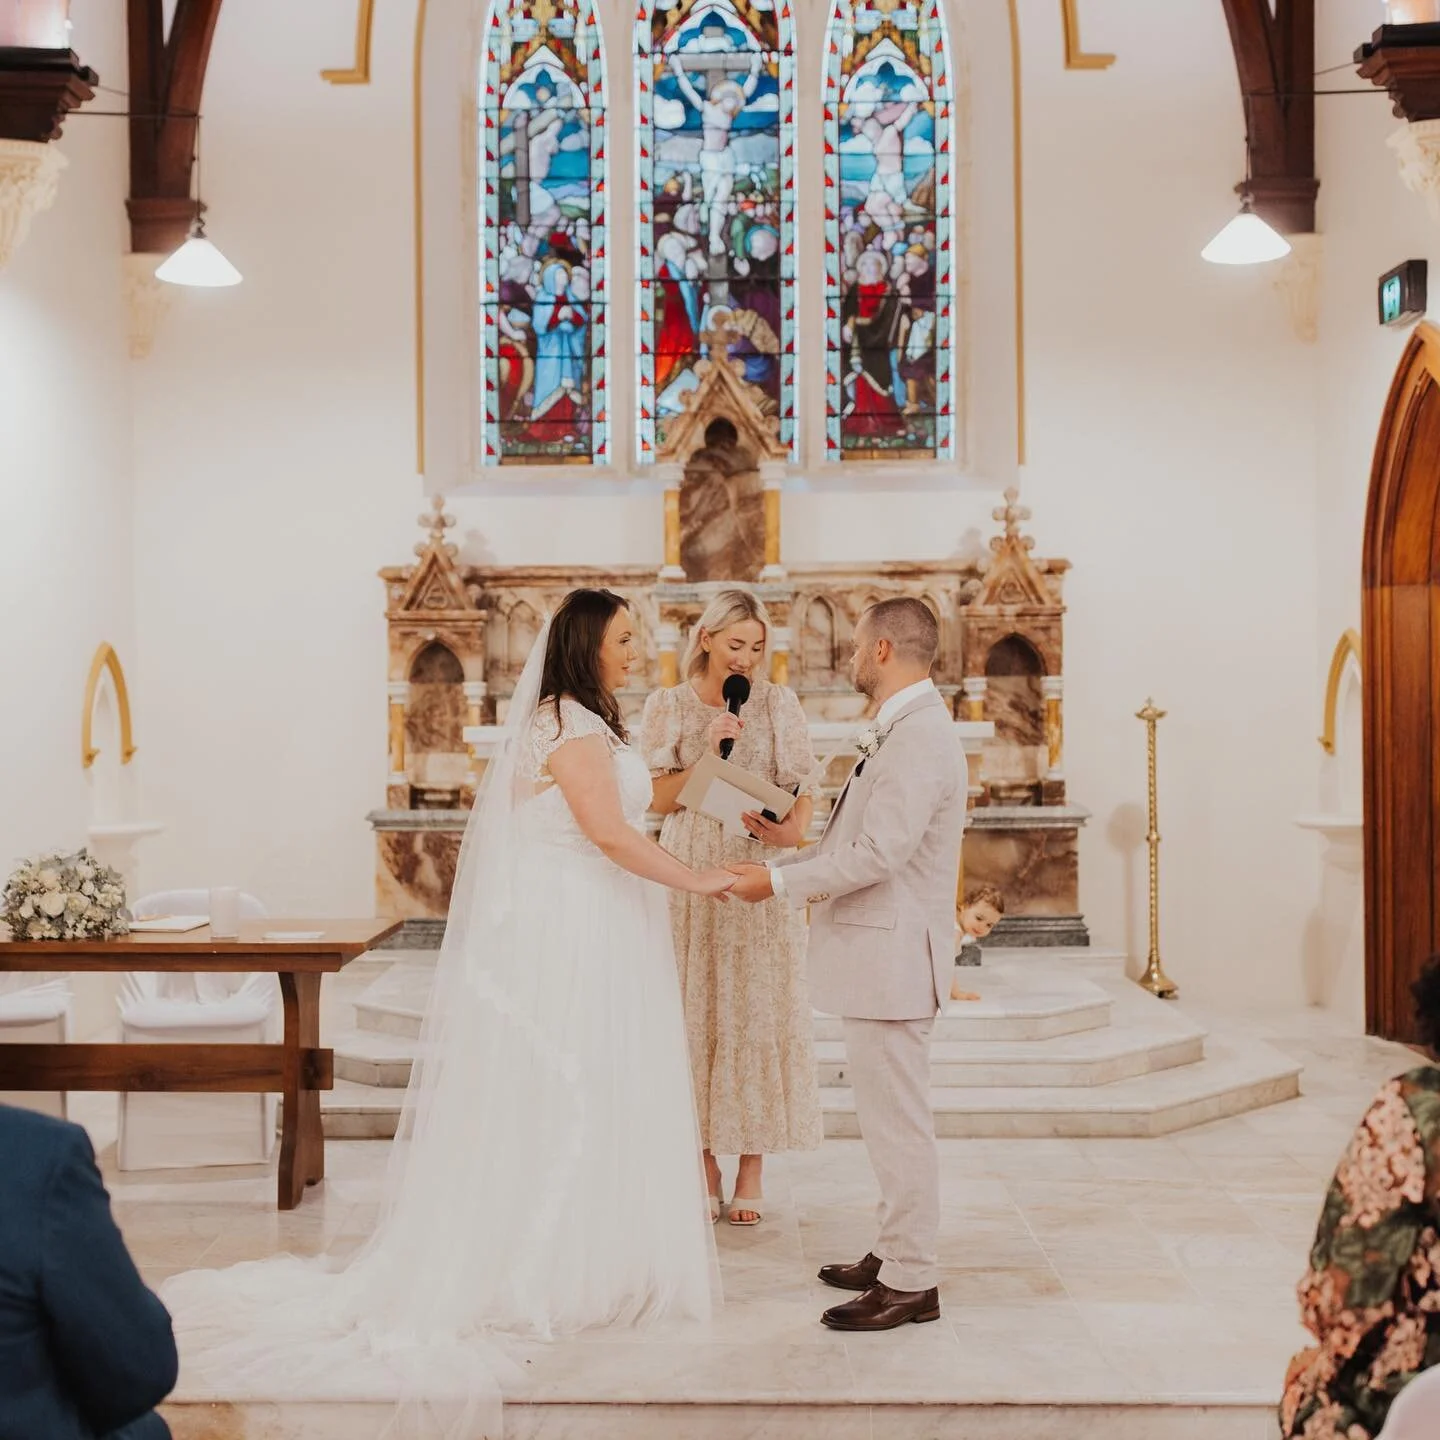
{"type": "Point", "coordinates": [1371, 1296]}
{"type": "Point", "coordinates": [742, 967]}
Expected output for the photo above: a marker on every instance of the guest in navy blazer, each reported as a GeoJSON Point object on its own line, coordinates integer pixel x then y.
{"type": "Point", "coordinates": [86, 1350]}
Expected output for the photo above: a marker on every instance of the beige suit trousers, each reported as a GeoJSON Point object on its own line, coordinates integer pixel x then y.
{"type": "Point", "coordinates": [889, 1064]}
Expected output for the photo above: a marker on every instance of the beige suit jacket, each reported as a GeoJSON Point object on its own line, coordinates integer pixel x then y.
{"type": "Point", "coordinates": [880, 883]}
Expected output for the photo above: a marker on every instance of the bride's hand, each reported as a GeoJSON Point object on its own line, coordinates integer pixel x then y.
{"type": "Point", "coordinates": [715, 883]}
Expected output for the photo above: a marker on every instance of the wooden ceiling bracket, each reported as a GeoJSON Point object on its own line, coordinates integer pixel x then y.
{"type": "Point", "coordinates": [1275, 62]}
{"type": "Point", "coordinates": [38, 88]}
{"type": "Point", "coordinates": [167, 78]}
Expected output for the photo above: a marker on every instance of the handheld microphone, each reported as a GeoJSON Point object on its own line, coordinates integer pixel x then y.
{"type": "Point", "coordinates": [736, 691]}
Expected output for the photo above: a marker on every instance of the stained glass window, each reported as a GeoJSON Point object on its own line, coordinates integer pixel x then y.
{"type": "Point", "coordinates": [542, 255]}
{"type": "Point", "coordinates": [715, 178]}
{"type": "Point", "coordinates": [888, 232]}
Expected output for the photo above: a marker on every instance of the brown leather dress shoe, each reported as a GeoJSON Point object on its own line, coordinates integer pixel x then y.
{"type": "Point", "coordinates": [881, 1308]}
{"type": "Point", "coordinates": [860, 1276]}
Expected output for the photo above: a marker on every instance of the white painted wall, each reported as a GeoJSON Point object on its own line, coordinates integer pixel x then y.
{"type": "Point", "coordinates": [1203, 470]}
{"type": "Point", "coordinates": [65, 477]}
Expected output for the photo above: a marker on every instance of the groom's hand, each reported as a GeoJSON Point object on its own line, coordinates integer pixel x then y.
{"type": "Point", "coordinates": [752, 882]}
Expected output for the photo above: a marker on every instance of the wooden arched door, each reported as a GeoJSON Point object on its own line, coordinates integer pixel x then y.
{"type": "Point", "coordinates": [1401, 664]}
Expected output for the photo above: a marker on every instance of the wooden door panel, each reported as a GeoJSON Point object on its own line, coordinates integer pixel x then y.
{"type": "Point", "coordinates": [1401, 669]}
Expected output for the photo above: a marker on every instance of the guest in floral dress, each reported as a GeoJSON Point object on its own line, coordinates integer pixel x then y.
{"type": "Point", "coordinates": [1371, 1297]}
{"type": "Point", "coordinates": [742, 967]}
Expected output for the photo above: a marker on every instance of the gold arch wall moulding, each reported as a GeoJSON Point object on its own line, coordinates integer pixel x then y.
{"type": "Point", "coordinates": [1347, 645]}
{"type": "Point", "coordinates": [1076, 58]}
{"type": "Point", "coordinates": [105, 659]}
{"type": "Point", "coordinates": [359, 72]}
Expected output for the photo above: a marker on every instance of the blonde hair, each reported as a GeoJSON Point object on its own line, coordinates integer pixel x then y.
{"type": "Point", "coordinates": [729, 607]}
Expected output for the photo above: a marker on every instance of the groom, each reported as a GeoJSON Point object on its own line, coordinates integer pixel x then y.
{"type": "Point", "coordinates": [881, 890]}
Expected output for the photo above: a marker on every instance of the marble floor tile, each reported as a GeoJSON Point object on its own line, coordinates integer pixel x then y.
{"type": "Point", "coordinates": [1082, 1280]}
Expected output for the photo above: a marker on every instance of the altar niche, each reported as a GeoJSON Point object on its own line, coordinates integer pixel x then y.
{"type": "Point", "coordinates": [722, 509]}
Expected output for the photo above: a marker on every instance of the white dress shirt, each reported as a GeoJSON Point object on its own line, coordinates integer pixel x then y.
{"type": "Point", "coordinates": [883, 717]}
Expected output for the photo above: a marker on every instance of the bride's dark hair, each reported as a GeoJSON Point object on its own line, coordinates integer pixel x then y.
{"type": "Point", "coordinates": [572, 655]}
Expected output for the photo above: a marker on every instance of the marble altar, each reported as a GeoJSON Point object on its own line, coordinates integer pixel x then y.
{"type": "Point", "coordinates": [459, 634]}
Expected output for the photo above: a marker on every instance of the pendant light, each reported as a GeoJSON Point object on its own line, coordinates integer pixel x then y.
{"type": "Point", "coordinates": [1247, 239]}
{"type": "Point", "coordinates": [197, 262]}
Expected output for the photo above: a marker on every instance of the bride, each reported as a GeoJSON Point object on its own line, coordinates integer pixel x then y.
{"type": "Point", "coordinates": [544, 1177]}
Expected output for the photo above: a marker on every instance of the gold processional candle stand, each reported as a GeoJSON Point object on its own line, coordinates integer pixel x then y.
{"type": "Point", "coordinates": [1155, 980]}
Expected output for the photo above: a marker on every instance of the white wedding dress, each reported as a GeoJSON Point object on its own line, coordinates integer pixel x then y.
{"type": "Point", "coordinates": [547, 1177]}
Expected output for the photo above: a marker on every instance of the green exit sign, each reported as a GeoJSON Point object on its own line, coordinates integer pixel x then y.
{"type": "Point", "coordinates": [1402, 293]}
{"type": "Point", "coordinates": [1390, 307]}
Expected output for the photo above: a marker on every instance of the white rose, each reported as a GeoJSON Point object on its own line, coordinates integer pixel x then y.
{"type": "Point", "coordinates": [27, 909]}
{"type": "Point", "coordinates": [75, 904]}
{"type": "Point", "coordinates": [52, 903]}
{"type": "Point", "coordinates": [86, 872]}
{"type": "Point", "coordinates": [49, 879]}
{"type": "Point", "coordinates": [88, 888]}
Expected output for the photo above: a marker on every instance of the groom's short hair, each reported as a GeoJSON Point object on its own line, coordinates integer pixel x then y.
{"type": "Point", "coordinates": [908, 625]}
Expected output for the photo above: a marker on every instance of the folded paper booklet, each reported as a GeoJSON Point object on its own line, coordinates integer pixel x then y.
{"type": "Point", "coordinates": [725, 792]}
{"type": "Point", "coordinates": [169, 924]}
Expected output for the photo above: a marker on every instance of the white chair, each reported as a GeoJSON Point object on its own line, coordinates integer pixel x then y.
{"type": "Point", "coordinates": [1415, 1415]}
{"type": "Point", "coordinates": [36, 1015]}
{"type": "Point", "coordinates": [169, 1131]}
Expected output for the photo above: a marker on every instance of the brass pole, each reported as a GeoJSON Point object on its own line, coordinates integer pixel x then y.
{"type": "Point", "coordinates": [1155, 980]}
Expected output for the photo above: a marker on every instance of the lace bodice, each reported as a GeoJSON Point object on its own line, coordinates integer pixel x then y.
{"type": "Point", "coordinates": [547, 818]}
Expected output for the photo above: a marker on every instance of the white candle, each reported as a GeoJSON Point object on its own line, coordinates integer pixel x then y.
{"type": "Point", "coordinates": [224, 913]}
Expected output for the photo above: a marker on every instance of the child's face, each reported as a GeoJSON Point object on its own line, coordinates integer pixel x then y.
{"type": "Point", "coordinates": [979, 920]}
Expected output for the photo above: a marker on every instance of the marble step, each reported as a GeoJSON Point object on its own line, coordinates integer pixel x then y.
{"type": "Point", "coordinates": [1086, 1058]}
{"type": "Point", "coordinates": [754, 1411]}
{"type": "Point", "coordinates": [1097, 1057]}
{"type": "Point", "coordinates": [1009, 1009]}
{"type": "Point", "coordinates": [1232, 1079]}
{"type": "Point", "coordinates": [360, 1112]}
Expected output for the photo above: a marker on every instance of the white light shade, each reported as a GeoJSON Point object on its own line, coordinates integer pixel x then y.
{"type": "Point", "coordinates": [198, 262]}
{"type": "Point", "coordinates": [1246, 240]}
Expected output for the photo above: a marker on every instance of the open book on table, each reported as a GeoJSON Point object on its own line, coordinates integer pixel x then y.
{"type": "Point", "coordinates": [724, 792]}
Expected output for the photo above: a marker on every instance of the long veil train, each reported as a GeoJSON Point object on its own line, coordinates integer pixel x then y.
{"type": "Point", "coordinates": [485, 1230]}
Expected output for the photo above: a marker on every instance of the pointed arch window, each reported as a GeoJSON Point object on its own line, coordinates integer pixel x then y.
{"type": "Point", "coordinates": [715, 176]}
{"type": "Point", "coordinates": [889, 232]}
{"type": "Point", "coordinates": [543, 202]}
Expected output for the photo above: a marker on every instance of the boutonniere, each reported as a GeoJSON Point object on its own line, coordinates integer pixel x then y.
{"type": "Point", "coordinates": [869, 740]}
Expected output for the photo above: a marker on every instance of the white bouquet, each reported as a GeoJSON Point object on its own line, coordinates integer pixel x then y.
{"type": "Point", "coordinates": [65, 897]}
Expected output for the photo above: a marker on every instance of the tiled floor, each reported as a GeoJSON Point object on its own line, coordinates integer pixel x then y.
{"type": "Point", "coordinates": [1076, 1272]}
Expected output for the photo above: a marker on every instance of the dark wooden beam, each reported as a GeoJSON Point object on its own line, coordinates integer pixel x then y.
{"type": "Point", "coordinates": [38, 88]}
{"type": "Point", "coordinates": [167, 79]}
{"type": "Point", "coordinates": [1275, 62]}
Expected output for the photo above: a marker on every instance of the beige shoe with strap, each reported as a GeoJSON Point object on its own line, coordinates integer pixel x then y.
{"type": "Point", "coordinates": [751, 1206]}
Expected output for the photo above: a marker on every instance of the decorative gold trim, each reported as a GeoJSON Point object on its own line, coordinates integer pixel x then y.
{"type": "Point", "coordinates": [1016, 120]}
{"type": "Point", "coordinates": [416, 94]}
{"type": "Point", "coordinates": [1075, 57]}
{"type": "Point", "coordinates": [105, 659]}
{"type": "Point", "coordinates": [359, 73]}
{"type": "Point", "coordinates": [1347, 645]}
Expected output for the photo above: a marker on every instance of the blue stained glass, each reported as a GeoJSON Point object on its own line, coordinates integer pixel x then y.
{"type": "Point", "coordinates": [543, 268]}
{"type": "Point", "coordinates": [888, 233]}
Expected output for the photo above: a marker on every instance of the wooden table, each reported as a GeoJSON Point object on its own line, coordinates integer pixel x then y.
{"type": "Point", "coordinates": [298, 1068]}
